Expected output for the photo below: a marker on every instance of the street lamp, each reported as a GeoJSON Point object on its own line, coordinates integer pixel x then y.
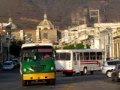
{"type": "Point", "coordinates": [9, 29]}
{"type": "Point", "coordinates": [74, 40]}
{"type": "Point", "coordinates": [85, 43]}
{"type": "Point", "coordinates": [1, 45]}
{"type": "Point", "coordinates": [109, 44]}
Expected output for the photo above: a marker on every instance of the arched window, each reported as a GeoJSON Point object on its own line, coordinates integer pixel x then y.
{"type": "Point", "coordinates": [45, 28]}
{"type": "Point", "coordinates": [45, 35]}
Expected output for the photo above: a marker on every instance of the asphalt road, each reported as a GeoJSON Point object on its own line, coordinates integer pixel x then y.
{"type": "Point", "coordinates": [10, 80]}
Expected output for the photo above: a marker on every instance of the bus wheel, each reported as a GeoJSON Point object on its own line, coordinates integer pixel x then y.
{"type": "Point", "coordinates": [29, 82]}
{"type": "Point", "coordinates": [24, 83]}
{"type": "Point", "coordinates": [91, 72]}
{"type": "Point", "coordinates": [51, 82]}
{"type": "Point", "coordinates": [85, 71]}
{"type": "Point", "coordinates": [69, 74]}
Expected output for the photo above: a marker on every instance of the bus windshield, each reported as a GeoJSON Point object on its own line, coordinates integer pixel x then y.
{"type": "Point", "coordinates": [37, 53]}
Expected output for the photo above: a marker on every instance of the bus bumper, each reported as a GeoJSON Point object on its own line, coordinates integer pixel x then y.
{"type": "Point", "coordinates": [38, 76]}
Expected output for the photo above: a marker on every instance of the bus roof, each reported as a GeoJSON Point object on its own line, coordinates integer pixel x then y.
{"type": "Point", "coordinates": [36, 44]}
{"type": "Point", "coordinates": [80, 50]}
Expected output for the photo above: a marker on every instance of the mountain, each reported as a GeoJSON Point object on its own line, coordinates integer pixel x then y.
{"type": "Point", "coordinates": [62, 13]}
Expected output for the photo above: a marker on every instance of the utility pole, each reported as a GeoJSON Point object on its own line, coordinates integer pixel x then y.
{"type": "Point", "coordinates": [85, 43]}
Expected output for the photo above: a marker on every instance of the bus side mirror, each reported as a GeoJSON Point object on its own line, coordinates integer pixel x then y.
{"type": "Point", "coordinates": [34, 57]}
{"type": "Point", "coordinates": [20, 54]}
{"type": "Point", "coordinates": [55, 54]}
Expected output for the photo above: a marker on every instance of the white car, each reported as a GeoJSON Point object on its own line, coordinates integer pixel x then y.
{"type": "Point", "coordinates": [8, 65]}
{"type": "Point", "coordinates": [108, 67]}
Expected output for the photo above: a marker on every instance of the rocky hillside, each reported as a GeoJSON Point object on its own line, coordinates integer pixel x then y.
{"type": "Point", "coordinates": [62, 13]}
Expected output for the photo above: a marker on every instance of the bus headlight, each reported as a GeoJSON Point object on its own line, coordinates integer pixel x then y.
{"type": "Point", "coordinates": [52, 68]}
{"type": "Point", "coordinates": [24, 69]}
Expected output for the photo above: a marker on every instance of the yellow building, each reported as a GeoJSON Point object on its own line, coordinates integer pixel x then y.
{"type": "Point", "coordinates": [116, 39]}
{"type": "Point", "coordinates": [45, 30]}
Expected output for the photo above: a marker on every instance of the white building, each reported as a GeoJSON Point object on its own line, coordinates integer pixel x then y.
{"type": "Point", "coordinates": [105, 32]}
{"type": "Point", "coordinates": [100, 36]}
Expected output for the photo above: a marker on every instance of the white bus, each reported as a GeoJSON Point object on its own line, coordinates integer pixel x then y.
{"type": "Point", "coordinates": [78, 60]}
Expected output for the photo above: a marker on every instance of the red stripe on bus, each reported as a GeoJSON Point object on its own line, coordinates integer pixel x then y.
{"type": "Point", "coordinates": [89, 62]}
{"type": "Point", "coordinates": [67, 70]}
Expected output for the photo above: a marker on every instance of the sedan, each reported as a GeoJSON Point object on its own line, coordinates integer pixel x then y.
{"type": "Point", "coordinates": [8, 65]}
{"type": "Point", "coordinates": [109, 66]}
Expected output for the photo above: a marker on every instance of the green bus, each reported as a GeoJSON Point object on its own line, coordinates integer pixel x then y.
{"type": "Point", "coordinates": [37, 63]}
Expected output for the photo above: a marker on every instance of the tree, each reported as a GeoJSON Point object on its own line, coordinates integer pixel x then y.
{"type": "Point", "coordinates": [73, 46]}
{"type": "Point", "coordinates": [15, 48]}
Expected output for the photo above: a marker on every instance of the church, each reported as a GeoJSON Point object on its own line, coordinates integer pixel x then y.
{"type": "Point", "coordinates": [45, 30]}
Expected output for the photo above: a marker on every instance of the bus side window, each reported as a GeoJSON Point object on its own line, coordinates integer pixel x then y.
{"type": "Point", "coordinates": [57, 56]}
{"type": "Point", "coordinates": [86, 56]}
{"type": "Point", "coordinates": [81, 56]}
{"type": "Point", "coordinates": [67, 56]}
{"type": "Point", "coordinates": [92, 56]}
{"type": "Point", "coordinates": [78, 56]}
{"type": "Point", "coordinates": [60, 56]}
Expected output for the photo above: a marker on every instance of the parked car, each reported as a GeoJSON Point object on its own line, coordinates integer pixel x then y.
{"type": "Point", "coordinates": [16, 62]}
{"type": "Point", "coordinates": [109, 66]}
{"type": "Point", "coordinates": [0, 66]}
{"type": "Point", "coordinates": [8, 65]}
{"type": "Point", "coordinates": [115, 76]}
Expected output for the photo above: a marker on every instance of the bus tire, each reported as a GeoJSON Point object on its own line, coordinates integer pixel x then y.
{"type": "Point", "coordinates": [29, 82]}
{"type": "Point", "coordinates": [91, 72]}
{"type": "Point", "coordinates": [81, 73]}
{"type": "Point", "coordinates": [69, 74]}
{"type": "Point", "coordinates": [24, 83]}
{"type": "Point", "coordinates": [51, 82]}
{"type": "Point", "coordinates": [85, 71]}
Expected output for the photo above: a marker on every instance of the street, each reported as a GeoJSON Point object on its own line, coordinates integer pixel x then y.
{"type": "Point", "coordinates": [10, 80]}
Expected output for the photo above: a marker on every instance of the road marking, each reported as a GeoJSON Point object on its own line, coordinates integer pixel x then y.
{"type": "Point", "coordinates": [69, 86]}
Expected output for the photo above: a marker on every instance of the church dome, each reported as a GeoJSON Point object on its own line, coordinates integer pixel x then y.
{"type": "Point", "coordinates": [10, 24]}
{"type": "Point", "coordinates": [46, 23]}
